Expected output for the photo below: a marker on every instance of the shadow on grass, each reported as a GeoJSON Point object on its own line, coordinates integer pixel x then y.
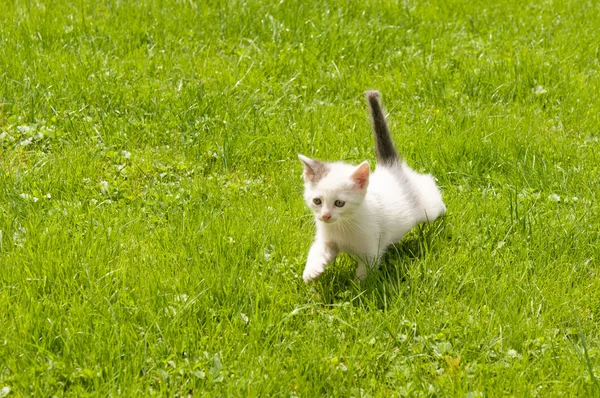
{"type": "Point", "coordinates": [339, 283]}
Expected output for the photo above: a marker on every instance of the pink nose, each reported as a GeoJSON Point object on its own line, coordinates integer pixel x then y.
{"type": "Point", "coordinates": [326, 217]}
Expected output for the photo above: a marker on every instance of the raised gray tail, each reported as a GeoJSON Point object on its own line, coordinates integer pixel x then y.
{"type": "Point", "coordinates": [386, 153]}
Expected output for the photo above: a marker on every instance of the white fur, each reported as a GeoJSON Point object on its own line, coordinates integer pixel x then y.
{"type": "Point", "coordinates": [395, 199]}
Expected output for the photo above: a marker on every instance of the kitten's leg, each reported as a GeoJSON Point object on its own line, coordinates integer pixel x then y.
{"type": "Point", "coordinates": [365, 263]}
{"type": "Point", "coordinates": [321, 253]}
{"type": "Point", "coordinates": [361, 271]}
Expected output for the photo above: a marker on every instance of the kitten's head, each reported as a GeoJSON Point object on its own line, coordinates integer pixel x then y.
{"type": "Point", "coordinates": [333, 191]}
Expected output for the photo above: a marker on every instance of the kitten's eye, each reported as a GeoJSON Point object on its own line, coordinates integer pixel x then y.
{"type": "Point", "coordinates": [339, 203]}
{"type": "Point", "coordinates": [317, 201]}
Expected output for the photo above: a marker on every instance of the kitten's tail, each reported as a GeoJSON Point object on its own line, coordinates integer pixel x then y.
{"type": "Point", "coordinates": [386, 153]}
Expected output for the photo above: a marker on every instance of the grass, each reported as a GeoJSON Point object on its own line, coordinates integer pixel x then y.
{"type": "Point", "coordinates": [153, 234]}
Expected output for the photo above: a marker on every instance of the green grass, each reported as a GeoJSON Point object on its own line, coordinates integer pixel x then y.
{"type": "Point", "coordinates": [153, 233]}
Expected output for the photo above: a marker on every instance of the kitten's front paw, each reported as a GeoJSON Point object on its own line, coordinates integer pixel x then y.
{"type": "Point", "coordinates": [361, 272]}
{"type": "Point", "coordinates": [311, 273]}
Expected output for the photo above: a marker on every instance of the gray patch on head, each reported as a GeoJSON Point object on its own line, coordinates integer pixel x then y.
{"type": "Point", "coordinates": [314, 170]}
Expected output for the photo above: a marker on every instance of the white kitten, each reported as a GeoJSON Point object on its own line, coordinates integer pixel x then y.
{"type": "Point", "coordinates": [362, 213]}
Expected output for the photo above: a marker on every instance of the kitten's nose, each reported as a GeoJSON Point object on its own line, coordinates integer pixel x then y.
{"type": "Point", "coordinates": [326, 217]}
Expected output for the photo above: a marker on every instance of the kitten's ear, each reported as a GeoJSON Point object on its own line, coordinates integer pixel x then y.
{"type": "Point", "coordinates": [314, 170]}
{"type": "Point", "coordinates": [361, 175]}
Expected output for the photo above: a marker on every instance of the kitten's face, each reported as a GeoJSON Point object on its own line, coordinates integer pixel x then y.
{"type": "Point", "coordinates": [333, 191]}
{"type": "Point", "coordinates": [330, 204]}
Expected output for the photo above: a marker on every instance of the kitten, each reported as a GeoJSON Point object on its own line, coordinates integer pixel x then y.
{"type": "Point", "coordinates": [360, 212]}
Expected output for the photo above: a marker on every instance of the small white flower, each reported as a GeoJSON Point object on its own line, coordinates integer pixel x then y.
{"type": "Point", "coordinates": [539, 90]}
{"type": "Point", "coordinates": [244, 317]}
{"type": "Point", "coordinates": [4, 391]}
{"type": "Point", "coordinates": [25, 142]}
{"type": "Point", "coordinates": [19, 236]}
{"type": "Point", "coordinates": [512, 353]}
{"type": "Point", "coordinates": [126, 154]}
{"type": "Point", "coordinates": [268, 251]}
{"type": "Point", "coordinates": [554, 197]}
{"type": "Point", "coordinates": [181, 298]}
{"type": "Point", "coordinates": [24, 129]}
{"type": "Point", "coordinates": [104, 187]}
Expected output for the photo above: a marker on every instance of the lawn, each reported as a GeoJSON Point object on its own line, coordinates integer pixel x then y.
{"type": "Point", "coordinates": [152, 227]}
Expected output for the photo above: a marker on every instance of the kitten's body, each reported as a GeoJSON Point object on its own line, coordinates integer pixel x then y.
{"type": "Point", "coordinates": [377, 209]}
